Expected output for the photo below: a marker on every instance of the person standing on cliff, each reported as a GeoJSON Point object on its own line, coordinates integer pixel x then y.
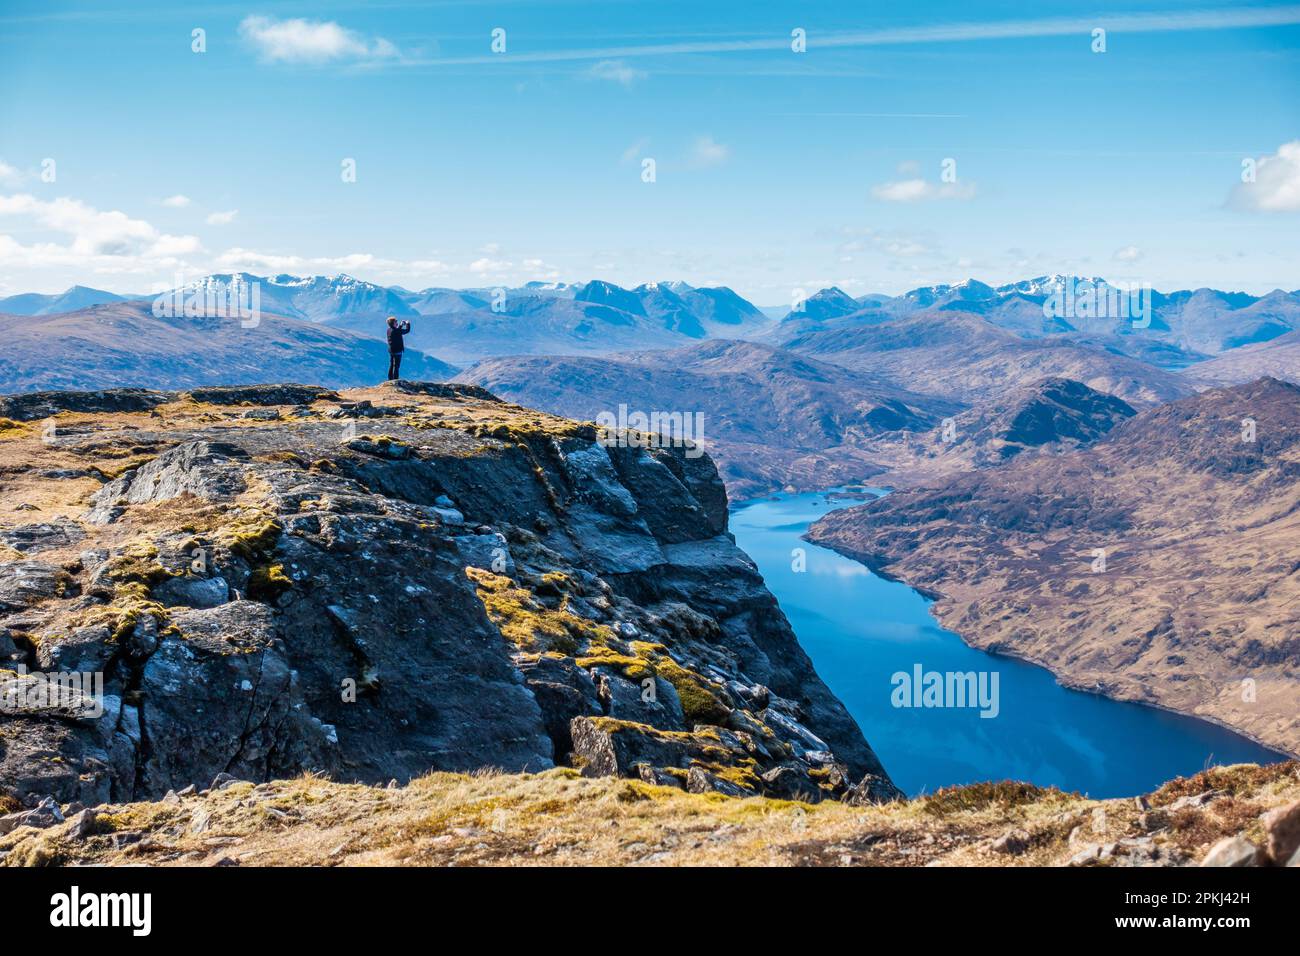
{"type": "Point", "coordinates": [396, 346]}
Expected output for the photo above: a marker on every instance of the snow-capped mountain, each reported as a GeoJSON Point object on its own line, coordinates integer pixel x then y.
{"type": "Point", "coordinates": [311, 298]}
{"type": "Point", "coordinates": [597, 316]}
{"type": "Point", "coordinates": [1170, 329]}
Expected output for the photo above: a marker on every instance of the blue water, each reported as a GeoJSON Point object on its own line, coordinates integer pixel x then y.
{"type": "Point", "coordinates": [860, 630]}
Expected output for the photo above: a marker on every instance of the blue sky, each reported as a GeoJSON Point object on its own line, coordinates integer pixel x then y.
{"type": "Point", "coordinates": [775, 170]}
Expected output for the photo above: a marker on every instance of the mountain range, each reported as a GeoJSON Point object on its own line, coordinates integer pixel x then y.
{"type": "Point", "coordinates": [463, 325]}
{"type": "Point", "coordinates": [1184, 326]}
{"type": "Point", "coordinates": [598, 317]}
{"type": "Point", "coordinates": [829, 393]}
{"type": "Point", "coordinates": [125, 344]}
{"type": "Point", "coordinates": [772, 417]}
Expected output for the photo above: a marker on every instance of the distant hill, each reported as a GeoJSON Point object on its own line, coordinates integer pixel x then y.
{"type": "Point", "coordinates": [77, 297]}
{"type": "Point", "coordinates": [1279, 357]}
{"type": "Point", "coordinates": [601, 317]}
{"type": "Point", "coordinates": [964, 357]}
{"type": "Point", "coordinates": [1185, 326]}
{"type": "Point", "coordinates": [124, 344]}
{"type": "Point", "coordinates": [1052, 416]}
{"type": "Point", "coordinates": [1156, 565]}
{"type": "Point", "coordinates": [771, 417]}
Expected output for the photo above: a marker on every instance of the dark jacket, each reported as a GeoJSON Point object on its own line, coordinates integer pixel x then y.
{"type": "Point", "coordinates": [395, 333]}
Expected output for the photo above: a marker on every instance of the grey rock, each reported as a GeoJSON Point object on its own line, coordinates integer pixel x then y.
{"type": "Point", "coordinates": [1232, 851]}
{"type": "Point", "coordinates": [82, 825]}
{"type": "Point", "coordinates": [44, 815]}
{"type": "Point", "coordinates": [659, 777]}
{"type": "Point", "coordinates": [791, 782]}
{"type": "Point", "coordinates": [31, 538]}
{"type": "Point", "coordinates": [699, 780]}
{"type": "Point", "coordinates": [191, 591]}
{"type": "Point", "coordinates": [1282, 832]}
{"type": "Point", "coordinates": [1196, 800]}
{"type": "Point", "coordinates": [449, 516]}
{"type": "Point", "coordinates": [208, 470]}
{"type": "Point", "coordinates": [23, 583]}
{"type": "Point", "coordinates": [1088, 856]}
{"type": "Point", "coordinates": [1012, 843]}
{"type": "Point", "coordinates": [874, 788]}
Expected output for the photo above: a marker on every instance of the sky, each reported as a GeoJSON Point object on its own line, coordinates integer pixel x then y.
{"type": "Point", "coordinates": [904, 145]}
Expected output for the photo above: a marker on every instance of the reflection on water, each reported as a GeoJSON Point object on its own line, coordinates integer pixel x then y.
{"type": "Point", "coordinates": [860, 630]}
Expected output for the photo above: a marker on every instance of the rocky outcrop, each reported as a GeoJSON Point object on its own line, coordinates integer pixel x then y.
{"type": "Point", "coordinates": [380, 583]}
{"type": "Point", "coordinates": [1238, 816]}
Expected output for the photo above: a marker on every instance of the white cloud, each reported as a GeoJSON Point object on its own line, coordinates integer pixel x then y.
{"type": "Point", "coordinates": [250, 260]}
{"type": "Point", "coordinates": [922, 190]}
{"type": "Point", "coordinates": [177, 202]}
{"type": "Point", "coordinates": [10, 175]}
{"type": "Point", "coordinates": [311, 41]}
{"type": "Point", "coordinates": [616, 71]}
{"type": "Point", "coordinates": [222, 218]}
{"type": "Point", "coordinates": [707, 152]}
{"type": "Point", "coordinates": [95, 233]}
{"type": "Point", "coordinates": [903, 248]}
{"type": "Point", "coordinates": [100, 243]}
{"type": "Point", "coordinates": [1277, 183]}
{"type": "Point", "coordinates": [1128, 254]}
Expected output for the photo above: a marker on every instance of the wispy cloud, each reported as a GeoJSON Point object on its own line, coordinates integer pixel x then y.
{"type": "Point", "coordinates": [222, 218]}
{"type": "Point", "coordinates": [922, 190]}
{"type": "Point", "coordinates": [238, 259]}
{"type": "Point", "coordinates": [1154, 22]}
{"type": "Point", "coordinates": [177, 202]}
{"type": "Point", "coordinates": [312, 41]}
{"type": "Point", "coordinates": [1128, 254]}
{"type": "Point", "coordinates": [633, 152]}
{"type": "Point", "coordinates": [708, 152]}
{"type": "Point", "coordinates": [615, 71]}
{"type": "Point", "coordinates": [1277, 183]}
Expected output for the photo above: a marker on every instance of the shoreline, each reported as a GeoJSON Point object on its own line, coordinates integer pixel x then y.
{"type": "Point", "coordinates": [1063, 678]}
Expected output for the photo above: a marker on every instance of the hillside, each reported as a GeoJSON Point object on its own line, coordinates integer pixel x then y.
{"type": "Point", "coordinates": [1278, 358]}
{"type": "Point", "coordinates": [1197, 606]}
{"type": "Point", "coordinates": [772, 418]}
{"type": "Point", "coordinates": [126, 345]}
{"type": "Point", "coordinates": [379, 583]}
{"type": "Point", "coordinates": [1229, 816]}
{"type": "Point", "coordinates": [963, 357]}
{"type": "Point", "coordinates": [1054, 415]}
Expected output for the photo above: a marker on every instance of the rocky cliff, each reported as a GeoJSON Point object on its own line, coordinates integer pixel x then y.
{"type": "Point", "coordinates": [379, 583]}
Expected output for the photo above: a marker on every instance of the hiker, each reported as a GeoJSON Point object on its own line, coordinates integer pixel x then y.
{"type": "Point", "coordinates": [395, 345]}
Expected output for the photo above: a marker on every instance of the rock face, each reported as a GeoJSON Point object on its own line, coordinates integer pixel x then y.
{"type": "Point", "coordinates": [386, 582]}
{"type": "Point", "coordinates": [1157, 565]}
